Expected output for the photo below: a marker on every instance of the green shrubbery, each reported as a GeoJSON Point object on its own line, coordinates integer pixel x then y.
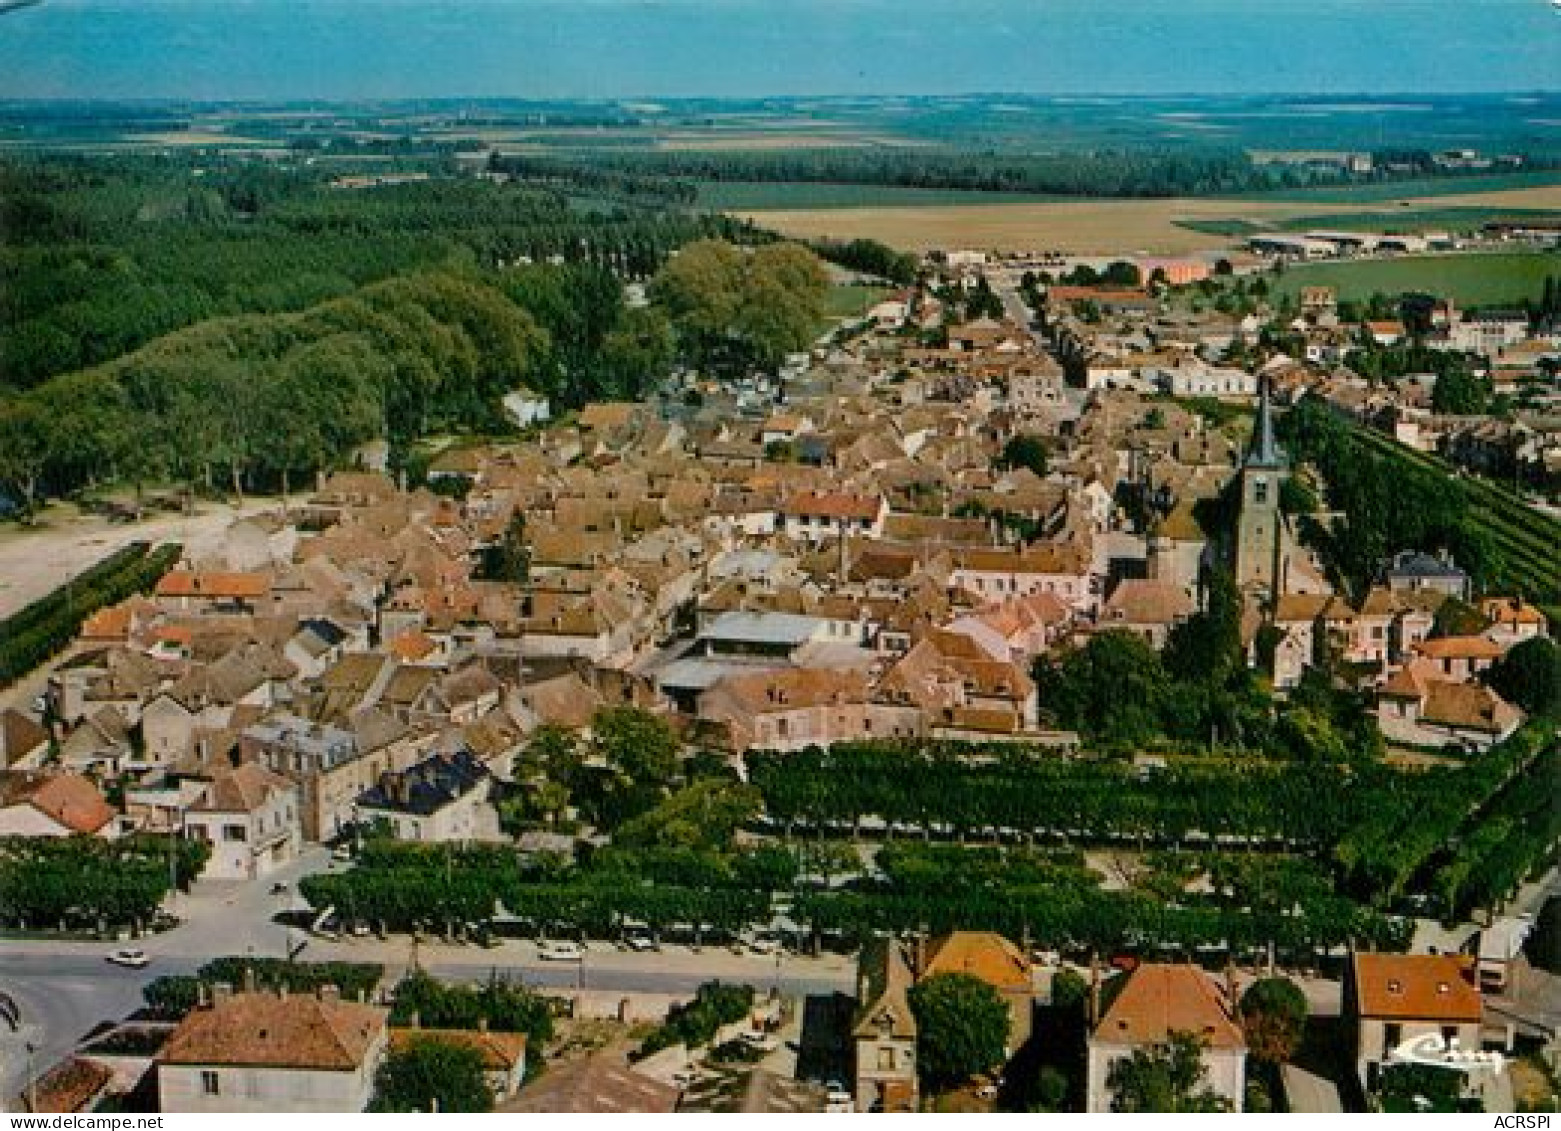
{"type": "Point", "coordinates": [86, 883]}
{"type": "Point", "coordinates": [695, 1023]}
{"type": "Point", "coordinates": [39, 631]}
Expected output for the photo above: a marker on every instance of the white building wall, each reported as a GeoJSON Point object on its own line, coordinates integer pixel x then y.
{"type": "Point", "coordinates": [183, 1088]}
{"type": "Point", "coordinates": [1225, 1073]}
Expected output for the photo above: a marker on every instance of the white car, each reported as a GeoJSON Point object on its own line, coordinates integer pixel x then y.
{"type": "Point", "coordinates": [763, 945]}
{"type": "Point", "coordinates": [640, 943]}
{"type": "Point", "coordinates": [560, 952]}
{"type": "Point", "coordinates": [134, 959]}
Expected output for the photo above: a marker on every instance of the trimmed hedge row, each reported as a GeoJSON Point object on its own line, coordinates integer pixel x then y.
{"type": "Point", "coordinates": [44, 628]}
{"type": "Point", "coordinates": [83, 881]}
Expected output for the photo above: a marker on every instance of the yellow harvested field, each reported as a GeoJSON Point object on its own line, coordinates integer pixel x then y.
{"type": "Point", "coordinates": [780, 140]}
{"type": "Point", "coordinates": [1092, 227]}
{"type": "Point", "coordinates": [1540, 196]}
{"type": "Point", "coordinates": [1104, 226]}
{"type": "Point", "coordinates": [196, 137]}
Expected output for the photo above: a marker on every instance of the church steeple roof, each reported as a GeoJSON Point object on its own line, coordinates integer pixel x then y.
{"type": "Point", "coordinates": [1264, 450]}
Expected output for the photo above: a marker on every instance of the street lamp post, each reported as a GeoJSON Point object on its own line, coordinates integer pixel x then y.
{"type": "Point", "coordinates": [32, 1079]}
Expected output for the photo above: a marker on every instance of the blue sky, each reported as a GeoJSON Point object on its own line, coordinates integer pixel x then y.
{"type": "Point", "coordinates": [339, 49]}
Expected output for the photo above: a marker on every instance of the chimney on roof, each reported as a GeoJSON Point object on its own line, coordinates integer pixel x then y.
{"type": "Point", "coordinates": [221, 992]}
{"type": "Point", "coordinates": [249, 979]}
{"type": "Point", "coordinates": [329, 992]}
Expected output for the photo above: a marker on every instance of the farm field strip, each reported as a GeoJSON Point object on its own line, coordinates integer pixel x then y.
{"type": "Point", "coordinates": [1472, 279]}
{"type": "Point", "coordinates": [1086, 226]}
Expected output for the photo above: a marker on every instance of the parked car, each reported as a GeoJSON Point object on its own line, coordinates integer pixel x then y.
{"type": "Point", "coordinates": [560, 952]}
{"type": "Point", "coordinates": [130, 957]}
{"type": "Point", "coordinates": [763, 945]}
{"type": "Point", "coordinates": [341, 852]}
{"type": "Point", "coordinates": [640, 943]}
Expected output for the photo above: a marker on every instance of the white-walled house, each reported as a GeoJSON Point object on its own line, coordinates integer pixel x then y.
{"type": "Point", "coordinates": [1393, 998]}
{"type": "Point", "coordinates": [274, 1054]}
{"type": "Point", "coordinates": [1156, 1001]}
{"type": "Point", "coordinates": [250, 817]}
{"type": "Point", "coordinates": [442, 798]}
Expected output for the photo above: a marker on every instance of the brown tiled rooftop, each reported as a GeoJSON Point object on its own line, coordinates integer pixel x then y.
{"type": "Point", "coordinates": [1429, 987]}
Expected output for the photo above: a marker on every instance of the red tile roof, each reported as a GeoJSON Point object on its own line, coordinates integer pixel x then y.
{"type": "Point", "coordinates": [68, 799]}
{"type": "Point", "coordinates": [1422, 987]}
{"type": "Point", "coordinates": [981, 954]}
{"type": "Point", "coordinates": [1159, 1000]}
{"type": "Point", "coordinates": [198, 583]}
{"type": "Point", "coordinates": [266, 1030]}
{"type": "Point", "coordinates": [815, 505]}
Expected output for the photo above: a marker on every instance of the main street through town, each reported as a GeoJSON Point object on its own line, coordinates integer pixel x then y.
{"type": "Point", "coordinates": [61, 989]}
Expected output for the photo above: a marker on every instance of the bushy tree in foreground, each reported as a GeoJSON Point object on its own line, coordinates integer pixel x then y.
{"type": "Point", "coordinates": [429, 1074]}
{"type": "Point", "coordinates": [962, 1028]}
{"type": "Point", "coordinates": [1164, 1078]}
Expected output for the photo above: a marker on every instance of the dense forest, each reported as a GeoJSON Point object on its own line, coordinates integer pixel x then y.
{"type": "Point", "coordinates": [238, 325]}
{"type": "Point", "coordinates": [99, 257]}
{"type": "Point", "coordinates": [1138, 172]}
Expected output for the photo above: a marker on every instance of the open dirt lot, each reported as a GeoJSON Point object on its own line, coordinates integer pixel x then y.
{"type": "Point", "coordinates": [40, 558]}
{"type": "Point", "coordinates": [1088, 227]}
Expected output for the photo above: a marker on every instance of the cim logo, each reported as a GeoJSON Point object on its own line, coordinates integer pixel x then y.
{"type": "Point", "coordinates": [1431, 1049]}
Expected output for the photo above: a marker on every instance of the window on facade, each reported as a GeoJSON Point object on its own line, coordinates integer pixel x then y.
{"type": "Point", "coordinates": [236, 833]}
{"type": "Point", "coordinates": [886, 1060]}
{"type": "Point", "coordinates": [209, 1084]}
{"type": "Point", "coordinates": [1260, 491]}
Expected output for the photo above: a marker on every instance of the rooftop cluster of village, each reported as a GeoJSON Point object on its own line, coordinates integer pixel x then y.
{"type": "Point", "coordinates": [913, 532]}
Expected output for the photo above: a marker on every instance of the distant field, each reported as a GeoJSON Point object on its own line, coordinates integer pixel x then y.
{"type": "Point", "coordinates": [1418, 219]}
{"type": "Point", "coordinates": [1077, 226]}
{"type": "Point", "coordinates": [1403, 220]}
{"type": "Point", "coordinates": [1484, 280]}
{"type": "Point", "coordinates": [744, 196]}
{"type": "Point", "coordinates": [1166, 227]}
{"type": "Point", "coordinates": [1422, 187]}
{"type": "Point", "coordinates": [721, 142]}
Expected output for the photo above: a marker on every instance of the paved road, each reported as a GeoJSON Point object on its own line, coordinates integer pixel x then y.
{"type": "Point", "coordinates": [61, 998]}
{"type": "Point", "coordinates": [65, 988]}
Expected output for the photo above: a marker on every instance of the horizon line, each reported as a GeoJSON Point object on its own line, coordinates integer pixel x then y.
{"type": "Point", "coordinates": [338, 100]}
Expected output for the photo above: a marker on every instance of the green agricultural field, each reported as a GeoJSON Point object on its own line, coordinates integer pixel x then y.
{"type": "Point", "coordinates": [1473, 280]}
{"type": "Point", "coordinates": [1424, 186]}
{"type": "Point", "coordinates": [852, 300]}
{"type": "Point", "coordinates": [1226, 228]}
{"type": "Point", "coordinates": [1414, 219]}
{"type": "Point", "coordinates": [1455, 219]}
